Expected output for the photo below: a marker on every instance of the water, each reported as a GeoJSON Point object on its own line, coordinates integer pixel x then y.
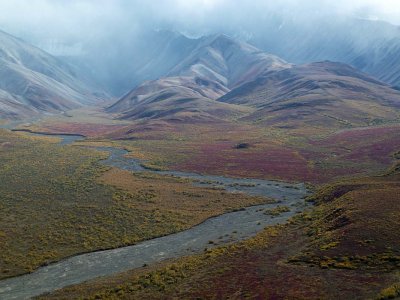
{"type": "Point", "coordinates": [227, 228]}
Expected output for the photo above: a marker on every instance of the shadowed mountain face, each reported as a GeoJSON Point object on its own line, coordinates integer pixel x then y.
{"type": "Point", "coordinates": [138, 57]}
{"type": "Point", "coordinates": [177, 98]}
{"type": "Point", "coordinates": [211, 70]}
{"type": "Point", "coordinates": [151, 55]}
{"type": "Point", "coordinates": [370, 46]}
{"type": "Point", "coordinates": [34, 82]}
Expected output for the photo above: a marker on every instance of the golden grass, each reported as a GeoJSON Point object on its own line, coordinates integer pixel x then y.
{"type": "Point", "coordinates": [339, 250]}
{"type": "Point", "coordinates": [57, 201]}
{"type": "Point", "coordinates": [155, 282]}
{"type": "Point", "coordinates": [176, 195]}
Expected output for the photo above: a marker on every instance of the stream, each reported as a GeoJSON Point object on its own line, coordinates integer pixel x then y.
{"type": "Point", "coordinates": [220, 230]}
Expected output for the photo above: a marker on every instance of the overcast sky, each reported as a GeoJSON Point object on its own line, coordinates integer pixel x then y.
{"type": "Point", "coordinates": [79, 20]}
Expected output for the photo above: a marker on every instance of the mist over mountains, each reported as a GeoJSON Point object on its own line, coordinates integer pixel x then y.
{"type": "Point", "coordinates": [371, 46]}
{"type": "Point", "coordinates": [207, 149]}
{"type": "Point", "coordinates": [120, 59]}
{"type": "Point", "coordinates": [165, 74]}
{"type": "Point", "coordinates": [122, 43]}
{"type": "Point", "coordinates": [34, 82]}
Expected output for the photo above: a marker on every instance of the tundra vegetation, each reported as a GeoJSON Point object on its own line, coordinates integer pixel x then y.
{"type": "Point", "coordinates": [57, 201]}
{"type": "Point", "coordinates": [314, 154]}
{"type": "Point", "coordinates": [347, 247]}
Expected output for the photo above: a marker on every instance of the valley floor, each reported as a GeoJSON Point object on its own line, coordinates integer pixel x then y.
{"type": "Point", "coordinates": [58, 201]}
{"type": "Point", "coordinates": [347, 247]}
{"type": "Point", "coordinates": [301, 153]}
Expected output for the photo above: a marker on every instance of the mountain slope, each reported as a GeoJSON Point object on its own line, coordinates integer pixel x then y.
{"type": "Point", "coordinates": [275, 92]}
{"type": "Point", "coordinates": [323, 93]}
{"type": "Point", "coordinates": [139, 57]}
{"type": "Point", "coordinates": [33, 82]}
{"type": "Point", "coordinates": [370, 46]}
{"type": "Point", "coordinates": [216, 65]}
{"type": "Point", "coordinates": [150, 55]}
{"type": "Point", "coordinates": [177, 98]}
{"type": "Point", "coordinates": [227, 61]}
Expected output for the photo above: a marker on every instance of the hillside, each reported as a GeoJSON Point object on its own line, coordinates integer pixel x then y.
{"type": "Point", "coordinates": [273, 92]}
{"type": "Point", "coordinates": [33, 82]}
{"type": "Point", "coordinates": [318, 94]}
{"type": "Point", "coordinates": [368, 45]}
{"type": "Point", "coordinates": [216, 65]}
{"type": "Point", "coordinates": [177, 98]}
{"type": "Point", "coordinates": [139, 57]}
{"type": "Point", "coordinates": [228, 61]}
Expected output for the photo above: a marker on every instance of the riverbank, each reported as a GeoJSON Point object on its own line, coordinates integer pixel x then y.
{"type": "Point", "coordinates": [253, 220]}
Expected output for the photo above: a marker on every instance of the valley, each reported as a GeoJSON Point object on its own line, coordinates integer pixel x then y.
{"type": "Point", "coordinates": [200, 166]}
{"type": "Point", "coordinates": [132, 191]}
{"type": "Point", "coordinates": [340, 249]}
{"type": "Point", "coordinates": [313, 154]}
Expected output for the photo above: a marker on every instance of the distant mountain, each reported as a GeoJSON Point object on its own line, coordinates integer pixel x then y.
{"type": "Point", "coordinates": [215, 66]}
{"type": "Point", "coordinates": [33, 82]}
{"type": "Point", "coordinates": [227, 61]}
{"type": "Point", "coordinates": [222, 78]}
{"type": "Point", "coordinates": [370, 46]}
{"type": "Point", "coordinates": [318, 94]}
{"type": "Point", "coordinates": [130, 60]}
{"type": "Point", "coordinates": [176, 98]}
{"type": "Point", "coordinates": [123, 62]}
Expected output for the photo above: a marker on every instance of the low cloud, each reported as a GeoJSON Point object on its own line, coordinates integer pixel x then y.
{"type": "Point", "coordinates": [73, 22]}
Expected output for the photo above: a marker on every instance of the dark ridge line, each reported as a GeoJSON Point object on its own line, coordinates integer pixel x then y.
{"type": "Point", "coordinates": [48, 133]}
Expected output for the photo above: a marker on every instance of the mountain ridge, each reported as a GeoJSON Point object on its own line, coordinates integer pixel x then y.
{"type": "Point", "coordinates": [216, 65]}
{"type": "Point", "coordinates": [223, 70]}
{"type": "Point", "coordinates": [34, 82]}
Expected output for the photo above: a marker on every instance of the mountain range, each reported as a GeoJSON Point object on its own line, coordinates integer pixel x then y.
{"type": "Point", "coordinates": [211, 78]}
{"type": "Point", "coordinates": [34, 82]}
{"type": "Point", "coordinates": [222, 78]}
{"type": "Point", "coordinates": [368, 45]}
{"type": "Point", "coordinates": [217, 65]}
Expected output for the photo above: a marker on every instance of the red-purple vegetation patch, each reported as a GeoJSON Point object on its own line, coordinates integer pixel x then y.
{"type": "Point", "coordinates": [360, 134]}
{"type": "Point", "coordinates": [266, 274]}
{"type": "Point", "coordinates": [260, 162]}
{"type": "Point", "coordinates": [379, 152]}
{"type": "Point", "coordinates": [146, 131]}
{"type": "Point", "coordinates": [86, 129]}
{"type": "Point", "coordinates": [346, 153]}
{"type": "Point", "coordinates": [359, 146]}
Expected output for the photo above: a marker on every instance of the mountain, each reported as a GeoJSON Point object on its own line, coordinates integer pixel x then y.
{"type": "Point", "coordinates": [150, 55]}
{"type": "Point", "coordinates": [322, 93]}
{"type": "Point", "coordinates": [215, 66]}
{"type": "Point", "coordinates": [222, 78]}
{"type": "Point", "coordinates": [177, 98]}
{"type": "Point", "coordinates": [227, 61]}
{"type": "Point", "coordinates": [34, 82]}
{"type": "Point", "coordinates": [370, 46]}
{"type": "Point", "coordinates": [125, 60]}
{"type": "Point", "coordinates": [138, 57]}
